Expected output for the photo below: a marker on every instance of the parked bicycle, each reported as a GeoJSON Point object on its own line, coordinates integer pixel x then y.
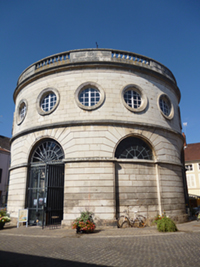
{"type": "Point", "coordinates": [125, 221]}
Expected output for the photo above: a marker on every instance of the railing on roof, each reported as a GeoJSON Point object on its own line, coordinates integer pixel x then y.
{"type": "Point", "coordinates": [91, 55]}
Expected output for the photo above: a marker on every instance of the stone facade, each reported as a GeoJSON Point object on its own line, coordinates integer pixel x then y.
{"type": "Point", "coordinates": [95, 178]}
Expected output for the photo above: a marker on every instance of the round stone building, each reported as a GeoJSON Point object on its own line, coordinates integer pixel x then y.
{"type": "Point", "coordinates": [97, 130]}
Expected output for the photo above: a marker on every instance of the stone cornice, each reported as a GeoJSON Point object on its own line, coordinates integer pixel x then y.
{"type": "Point", "coordinates": [96, 58]}
{"type": "Point", "coordinates": [99, 159]}
{"type": "Point", "coordinates": [94, 122]}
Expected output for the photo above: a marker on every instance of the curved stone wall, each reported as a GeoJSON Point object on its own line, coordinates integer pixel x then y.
{"type": "Point", "coordinates": [94, 178]}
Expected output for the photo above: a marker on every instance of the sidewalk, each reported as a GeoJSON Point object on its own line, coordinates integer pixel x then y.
{"type": "Point", "coordinates": [100, 232]}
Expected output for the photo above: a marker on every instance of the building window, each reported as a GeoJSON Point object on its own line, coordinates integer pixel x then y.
{"type": "Point", "coordinates": [21, 111]}
{"type": "Point", "coordinates": [47, 151]}
{"type": "Point", "coordinates": [189, 167]}
{"type": "Point", "coordinates": [133, 98]}
{"type": "Point", "coordinates": [47, 101]}
{"type": "Point", "coordinates": [1, 171]}
{"type": "Point", "coordinates": [89, 96]}
{"type": "Point", "coordinates": [165, 106]}
{"type": "Point", "coordinates": [191, 181]}
{"type": "Point", "coordinates": [133, 148]}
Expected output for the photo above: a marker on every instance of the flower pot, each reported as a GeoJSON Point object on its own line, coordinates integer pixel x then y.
{"type": "Point", "coordinates": [2, 225]}
{"type": "Point", "coordinates": [78, 229]}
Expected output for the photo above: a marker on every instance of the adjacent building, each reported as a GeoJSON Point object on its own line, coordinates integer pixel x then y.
{"type": "Point", "coordinates": [192, 166]}
{"type": "Point", "coordinates": [98, 130]}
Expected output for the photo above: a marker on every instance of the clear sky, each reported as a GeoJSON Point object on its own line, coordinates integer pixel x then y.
{"type": "Point", "coordinates": [165, 30]}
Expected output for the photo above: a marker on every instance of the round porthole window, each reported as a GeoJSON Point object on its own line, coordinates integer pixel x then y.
{"type": "Point", "coordinates": [165, 106]}
{"type": "Point", "coordinates": [21, 111]}
{"type": "Point", "coordinates": [89, 96]}
{"type": "Point", "coordinates": [133, 98]}
{"type": "Point", "coordinates": [47, 101]}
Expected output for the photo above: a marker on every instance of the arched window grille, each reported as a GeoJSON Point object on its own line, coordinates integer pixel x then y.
{"type": "Point", "coordinates": [47, 151]}
{"type": "Point", "coordinates": [133, 148]}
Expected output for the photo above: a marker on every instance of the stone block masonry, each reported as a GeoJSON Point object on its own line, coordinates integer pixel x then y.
{"type": "Point", "coordinates": [97, 130]}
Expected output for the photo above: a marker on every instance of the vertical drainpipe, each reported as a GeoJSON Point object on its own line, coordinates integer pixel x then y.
{"type": "Point", "coordinates": [158, 189]}
{"type": "Point", "coordinates": [116, 189]}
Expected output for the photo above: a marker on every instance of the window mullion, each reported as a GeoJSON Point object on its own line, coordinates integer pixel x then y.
{"type": "Point", "coordinates": [49, 102]}
{"type": "Point", "coordinates": [89, 97]}
{"type": "Point", "coordinates": [132, 103]}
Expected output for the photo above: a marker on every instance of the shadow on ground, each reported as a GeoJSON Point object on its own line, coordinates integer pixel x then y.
{"type": "Point", "coordinates": [17, 260]}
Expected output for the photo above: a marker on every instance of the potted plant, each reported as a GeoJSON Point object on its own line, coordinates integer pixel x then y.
{"type": "Point", "coordinates": [84, 223]}
{"type": "Point", "coordinates": [4, 218]}
{"type": "Point", "coordinates": [165, 224]}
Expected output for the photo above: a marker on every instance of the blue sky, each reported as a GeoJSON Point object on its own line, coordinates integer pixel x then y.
{"type": "Point", "coordinates": [167, 31]}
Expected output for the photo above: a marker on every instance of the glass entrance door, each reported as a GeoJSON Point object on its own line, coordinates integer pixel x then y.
{"type": "Point", "coordinates": [46, 194]}
{"type": "Point", "coordinates": [37, 195]}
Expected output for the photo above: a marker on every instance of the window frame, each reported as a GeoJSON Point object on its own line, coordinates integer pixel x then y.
{"type": "Point", "coordinates": [88, 95]}
{"type": "Point", "coordinates": [46, 151]}
{"type": "Point", "coordinates": [19, 118]}
{"type": "Point", "coordinates": [134, 145]}
{"type": "Point", "coordinates": [190, 167]}
{"type": "Point", "coordinates": [138, 90]}
{"type": "Point", "coordinates": [171, 113]}
{"type": "Point", "coordinates": [41, 97]}
{"type": "Point", "coordinates": [190, 183]}
{"type": "Point", "coordinates": [85, 86]}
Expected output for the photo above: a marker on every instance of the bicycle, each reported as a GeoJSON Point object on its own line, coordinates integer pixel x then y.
{"type": "Point", "coordinates": [124, 221]}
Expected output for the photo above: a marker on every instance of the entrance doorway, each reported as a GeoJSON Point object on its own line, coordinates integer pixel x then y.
{"type": "Point", "coordinates": [45, 192]}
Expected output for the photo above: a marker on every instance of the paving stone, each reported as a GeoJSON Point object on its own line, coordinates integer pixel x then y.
{"type": "Point", "coordinates": [33, 246]}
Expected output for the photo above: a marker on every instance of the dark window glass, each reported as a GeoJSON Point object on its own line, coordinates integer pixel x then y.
{"type": "Point", "coordinates": [133, 148]}
{"type": "Point", "coordinates": [0, 174]}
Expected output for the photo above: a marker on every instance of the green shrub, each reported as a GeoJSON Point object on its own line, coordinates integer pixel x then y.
{"type": "Point", "coordinates": [166, 224]}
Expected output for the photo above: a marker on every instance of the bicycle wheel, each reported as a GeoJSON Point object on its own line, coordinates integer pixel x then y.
{"type": "Point", "coordinates": [121, 220]}
{"type": "Point", "coordinates": [142, 221]}
{"type": "Point", "coordinates": [125, 224]}
{"type": "Point", "coordinates": [136, 223]}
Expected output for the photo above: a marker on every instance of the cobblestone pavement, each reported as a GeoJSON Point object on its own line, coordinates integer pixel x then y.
{"type": "Point", "coordinates": [106, 247]}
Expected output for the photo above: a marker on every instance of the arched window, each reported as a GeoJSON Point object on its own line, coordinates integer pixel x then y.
{"type": "Point", "coordinates": [47, 151]}
{"type": "Point", "coordinates": [133, 148]}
